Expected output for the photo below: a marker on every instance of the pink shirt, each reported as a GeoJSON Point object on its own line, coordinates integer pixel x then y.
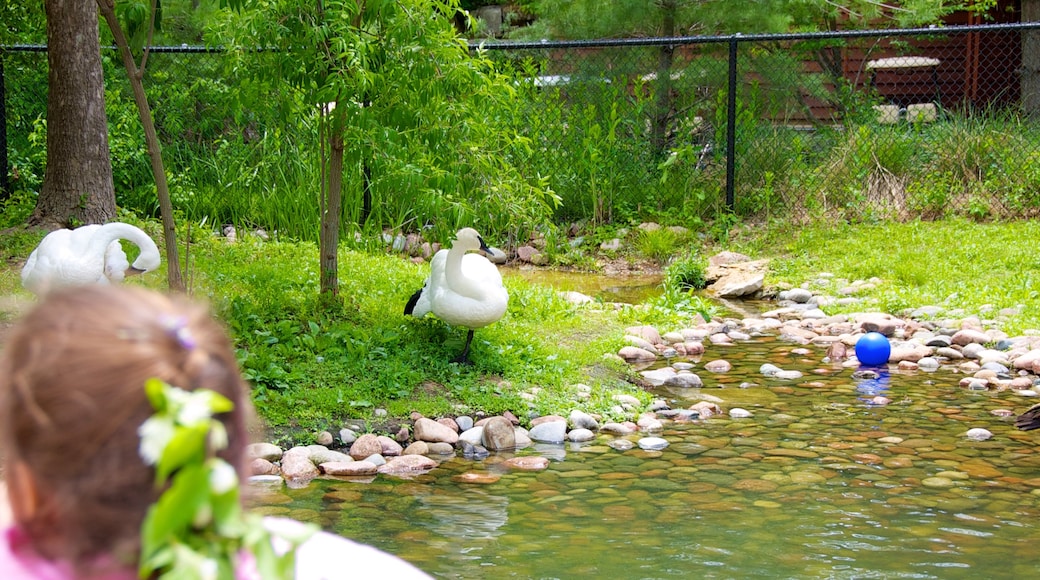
{"type": "Point", "coordinates": [322, 557]}
{"type": "Point", "coordinates": [18, 561]}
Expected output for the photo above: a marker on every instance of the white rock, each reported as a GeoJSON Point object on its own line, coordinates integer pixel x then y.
{"type": "Point", "coordinates": [978, 434]}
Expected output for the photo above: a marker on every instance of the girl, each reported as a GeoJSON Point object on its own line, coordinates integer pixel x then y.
{"type": "Point", "coordinates": [72, 398]}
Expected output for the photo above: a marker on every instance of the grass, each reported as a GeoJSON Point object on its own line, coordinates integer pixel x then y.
{"type": "Point", "coordinates": [974, 268]}
{"type": "Point", "coordinates": [314, 370]}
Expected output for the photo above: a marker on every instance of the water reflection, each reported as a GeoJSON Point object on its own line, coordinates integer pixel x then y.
{"type": "Point", "coordinates": [476, 515]}
{"type": "Point", "coordinates": [633, 289]}
{"type": "Point", "coordinates": [872, 385]}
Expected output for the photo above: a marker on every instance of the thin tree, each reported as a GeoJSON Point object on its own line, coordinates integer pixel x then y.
{"type": "Point", "coordinates": [135, 73]}
{"type": "Point", "coordinates": [1030, 70]}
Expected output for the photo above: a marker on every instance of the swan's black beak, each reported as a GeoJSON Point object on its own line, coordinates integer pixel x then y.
{"type": "Point", "coordinates": [483, 247]}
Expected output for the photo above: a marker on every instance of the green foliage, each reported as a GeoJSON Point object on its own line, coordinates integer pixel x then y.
{"type": "Point", "coordinates": [197, 528]}
{"type": "Point", "coordinates": [657, 244]}
{"type": "Point", "coordinates": [686, 273]}
{"type": "Point", "coordinates": [23, 23]}
{"type": "Point", "coordinates": [418, 111]}
{"type": "Point", "coordinates": [583, 19]}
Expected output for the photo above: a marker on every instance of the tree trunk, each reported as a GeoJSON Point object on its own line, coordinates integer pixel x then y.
{"type": "Point", "coordinates": [1030, 81]}
{"type": "Point", "coordinates": [332, 208]}
{"type": "Point", "coordinates": [663, 102]}
{"type": "Point", "coordinates": [77, 182]}
{"type": "Point", "coordinates": [162, 189]}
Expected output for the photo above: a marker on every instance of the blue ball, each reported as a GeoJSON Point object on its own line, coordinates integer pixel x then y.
{"type": "Point", "coordinates": [873, 349]}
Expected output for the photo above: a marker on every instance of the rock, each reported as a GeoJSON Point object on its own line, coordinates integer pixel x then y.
{"type": "Point", "coordinates": [978, 434]}
{"type": "Point", "coordinates": [261, 466]}
{"type": "Point", "coordinates": [635, 354]}
{"type": "Point", "coordinates": [498, 434]}
{"type": "Point", "coordinates": [652, 443]}
{"type": "Point", "coordinates": [968, 336]}
{"type": "Point", "coordinates": [407, 464]}
{"type": "Point", "coordinates": [440, 448]}
{"type": "Point", "coordinates": [388, 446]}
{"type": "Point", "coordinates": [908, 351]}
{"type": "Point", "coordinates": [323, 438]}
{"type": "Point", "coordinates": [684, 380]}
{"type": "Point", "coordinates": [297, 466]}
{"type": "Point", "coordinates": [366, 445]}
{"type": "Point", "coordinates": [266, 451]}
{"type": "Point", "coordinates": [353, 468]}
{"type": "Point", "coordinates": [788, 375]}
{"type": "Point", "coordinates": [580, 435]}
{"type": "Point", "coordinates": [527, 463]}
{"type": "Point", "coordinates": [480, 478]}
{"type": "Point", "coordinates": [878, 322]}
{"type": "Point", "coordinates": [742, 279]}
{"type": "Point", "coordinates": [576, 298]}
{"type": "Point", "coordinates": [621, 444]}
{"type": "Point", "coordinates": [433, 432]}
{"type": "Point", "coordinates": [464, 422]}
{"type": "Point", "coordinates": [706, 409]}
{"type": "Point", "coordinates": [582, 420]}
{"type": "Point", "coordinates": [526, 253]}
{"type": "Point", "coordinates": [616, 429]}
{"type": "Point", "coordinates": [551, 432]}
{"type": "Point", "coordinates": [320, 454]}
{"type": "Point", "coordinates": [416, 448]}
{"type": "Point", "coordinates": [738, 413]}
{"type": "Point", "coordinates": [799, 295]}
{"type": "Point", "coordinates": [718, 262]}
{"type": "Point", "coordinates": [639, 342]}
{"type": "Point", "coordinates": [347, 436]}
{"type": "Point", "coordinates": [473, 436]}
{"type": "Point", "coordinates": [646, 332]}
{"type": "Point", "coordinates": [718, 366]}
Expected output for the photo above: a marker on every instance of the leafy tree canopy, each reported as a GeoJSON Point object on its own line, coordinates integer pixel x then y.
{"type": "Point", "coordinates": [574, 19]}
{"type": "Point", "coordinates": [22, 23]}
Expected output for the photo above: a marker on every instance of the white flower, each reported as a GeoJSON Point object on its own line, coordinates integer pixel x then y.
{"type": "Point", "coordinates": [195, 408]}
{"type": "Point", "coordinates": [155, 434]}
{"type": "Point", "coordinates": [222, 477]}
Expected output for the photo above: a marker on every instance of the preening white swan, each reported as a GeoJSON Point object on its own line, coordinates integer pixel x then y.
{"type": "Point", "coordinates": [463, 289]}
{"type": "Point", "coordinates": [89, 254]}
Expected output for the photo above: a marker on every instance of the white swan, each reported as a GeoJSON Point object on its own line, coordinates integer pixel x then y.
{"type": "Point", "coordinates": [463, 289]}
{"type": "Point", "coordinates": [89, 254]}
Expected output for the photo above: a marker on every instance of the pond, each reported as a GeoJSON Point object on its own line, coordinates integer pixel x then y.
{"type": "Point", "coordinates": [630, 289]}
{"type": "Point", "coordinates": [820, 482]}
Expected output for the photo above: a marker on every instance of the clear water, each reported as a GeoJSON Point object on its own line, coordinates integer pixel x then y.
{"type": "Point", "coordinates": [819, 483]}
{"type": "Point", "coordinates": [632, 289]}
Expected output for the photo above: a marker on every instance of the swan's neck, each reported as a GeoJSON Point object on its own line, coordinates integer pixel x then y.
{"type": "Point", "coordinates": [457, 279]}
{"type": "Point", "coordinates": [109, 233]}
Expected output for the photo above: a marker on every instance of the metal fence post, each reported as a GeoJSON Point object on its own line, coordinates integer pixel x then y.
{"type": "Point", "coordinates": [731, 122]}
{"type": "Point", "coordinates": [5, 187]}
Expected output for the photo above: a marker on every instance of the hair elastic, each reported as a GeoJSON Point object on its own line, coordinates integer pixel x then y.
{"type": "Point", "coordinates": [177, 327]}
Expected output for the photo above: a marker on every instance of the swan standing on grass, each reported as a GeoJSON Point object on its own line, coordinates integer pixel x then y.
{"type": "Point", "coordinates": [90, 254]}
{"type": "Point", "coordinates": [463, 289]}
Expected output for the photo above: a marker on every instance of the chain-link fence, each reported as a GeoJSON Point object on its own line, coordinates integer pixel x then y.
{"type": "Point", "coordinates": [850, 125]}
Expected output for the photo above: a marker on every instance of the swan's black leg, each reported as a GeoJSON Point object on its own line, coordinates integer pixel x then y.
{"type": "Point", "coordinates": [462, 358]}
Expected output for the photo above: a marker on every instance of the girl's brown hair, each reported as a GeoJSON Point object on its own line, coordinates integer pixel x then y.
{"type": "Point", "coordinates": [72, 397]}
